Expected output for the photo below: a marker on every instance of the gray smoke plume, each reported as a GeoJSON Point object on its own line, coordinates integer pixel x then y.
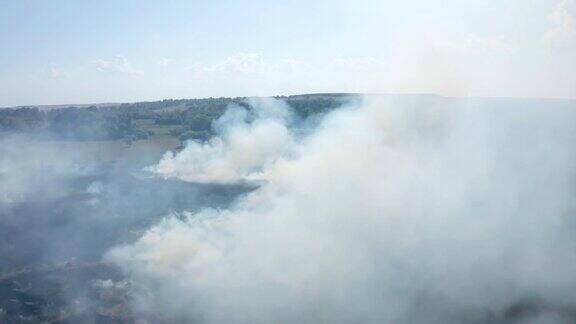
{"type": "Point", "coordinates": [392, 210]}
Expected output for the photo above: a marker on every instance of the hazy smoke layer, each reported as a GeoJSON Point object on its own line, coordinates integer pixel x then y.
{"type": "Point", "coordinates": [387, 213]}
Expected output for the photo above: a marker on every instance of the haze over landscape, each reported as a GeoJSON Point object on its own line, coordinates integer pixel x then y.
{"type": "Point", "coordinates": [288, 162]}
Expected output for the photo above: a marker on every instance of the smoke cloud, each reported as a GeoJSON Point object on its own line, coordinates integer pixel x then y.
{"type": "Point", "coordinates": [247, 141]}
{"type": "Point", "coordinates": [392, 210]}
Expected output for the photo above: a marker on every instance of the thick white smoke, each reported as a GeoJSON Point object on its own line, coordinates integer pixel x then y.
{"type": "Point", "coordinates": [246, 142]}
{"type": "Point", "coordinates": [389, 212]}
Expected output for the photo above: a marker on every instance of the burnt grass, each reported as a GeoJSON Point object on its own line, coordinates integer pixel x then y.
{"type": "Point", "coordinates": [51, 269]}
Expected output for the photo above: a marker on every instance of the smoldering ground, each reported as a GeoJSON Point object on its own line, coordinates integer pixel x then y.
{"type": "Point", "coordinates": [396, 209]}
{"type": "Point", "coordinates": [65, 203]}
{"type": "Point", "coordinates": [62, 201]}
{"type": "Point", "coordinates": [393, 210]}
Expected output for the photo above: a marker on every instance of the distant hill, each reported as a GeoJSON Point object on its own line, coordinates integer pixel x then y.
{"type": "Point", "coordinates": [190, 118]}
{"type": "Point", "coordinates": [183, 118]}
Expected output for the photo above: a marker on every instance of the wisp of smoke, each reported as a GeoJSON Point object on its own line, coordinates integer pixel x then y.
{"type": "Point", "coordinates": [387, 212]}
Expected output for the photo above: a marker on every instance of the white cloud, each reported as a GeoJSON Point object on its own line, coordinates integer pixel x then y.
{"type": "Point", "coordinates": [56, 73]}
{"type": "Point", "coordinates": [51, 72]}
{"type": "Point", "coordinates": [241, 63]}
{"type": "Point", "coordinates": [562, 32]}
{"type": "Point", "coordinates": [164, 62]}
{"type": "Point", "coordinates": [117, 64]}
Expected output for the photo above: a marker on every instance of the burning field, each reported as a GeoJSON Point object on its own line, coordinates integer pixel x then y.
{"type": "Point", "coordinates": [388, 209]}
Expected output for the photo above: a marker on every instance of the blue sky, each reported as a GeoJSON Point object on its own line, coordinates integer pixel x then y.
{"type": "Point", "coordinates": [64, 51]}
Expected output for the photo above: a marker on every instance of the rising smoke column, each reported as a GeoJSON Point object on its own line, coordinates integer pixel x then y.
{"type": "Point", "coordinates": [388, 212]}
